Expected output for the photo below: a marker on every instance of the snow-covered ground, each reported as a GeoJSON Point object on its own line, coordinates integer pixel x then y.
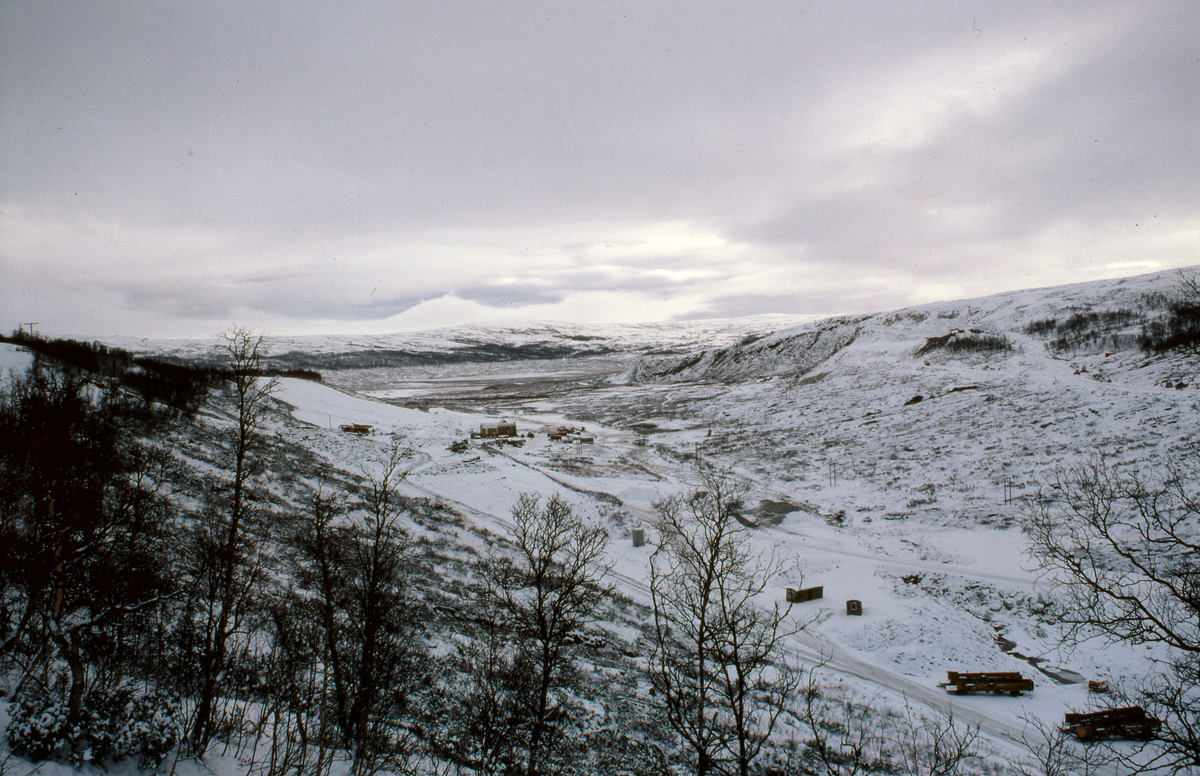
{"type": "Point", "coordinates": [970, 583]}
{"type": "Point", "coordinates": [910, 506]}
{"type": "Point", "coordinates": [13, 360]}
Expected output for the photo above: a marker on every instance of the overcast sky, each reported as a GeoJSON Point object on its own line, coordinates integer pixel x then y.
{"type": "Point", "coordinates": [171, 168]}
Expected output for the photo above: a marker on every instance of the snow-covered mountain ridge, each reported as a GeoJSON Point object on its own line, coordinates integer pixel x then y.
{"type": "Point", "coordinates": [485, 343]}
{"type": "Point", "coordinates": [1118, 309]}
{"type": "Point", "coordinates": [731, 350]}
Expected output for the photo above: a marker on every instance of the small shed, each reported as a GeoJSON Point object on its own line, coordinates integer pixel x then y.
{"type": "Point", "coordinates": [854, 607]}
{"type": "Point", "coordinates": [805, 594]}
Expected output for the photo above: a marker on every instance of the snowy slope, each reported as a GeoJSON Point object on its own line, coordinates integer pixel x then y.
{"type": "Point", "coordinates": [13, 360]}
{"type": "Point", "coordinates": [971, 579]}
{"type": "Point", "coordinates": [910, 507]}
{"type": "Point", "coordinates": [802, 349]}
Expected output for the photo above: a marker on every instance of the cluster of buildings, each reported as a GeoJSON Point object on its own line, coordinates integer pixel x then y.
{"type": "Point", "coordinates": [506, 432]}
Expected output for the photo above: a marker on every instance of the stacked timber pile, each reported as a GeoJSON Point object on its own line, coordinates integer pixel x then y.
{"type": "Point", "coordinates": [1127, 722]}
{"type": "Point", "coordinates": [998, 682]}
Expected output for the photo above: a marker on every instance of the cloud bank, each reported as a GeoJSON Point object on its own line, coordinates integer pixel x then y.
{"type": "Point", "coordinates": [166, 170]}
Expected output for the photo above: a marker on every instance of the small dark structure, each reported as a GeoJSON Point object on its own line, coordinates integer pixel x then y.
{"type": "Point", "coordinates": [1128, 722]}
{"type": "Point", "coordinates": [494, 430]}
{"type": "Point", "coordinates": [639, 537]}
{"type": "Point", "coordinates": [854, 607]}
{"type": "Point", "coordinates": [999, 682]}
{"type": "Point", "coordinates": [805, 594]}
{"type": "Point", "coordinates": [1095, 685]}
{"type": "Point", "coordinates": [356, 428]}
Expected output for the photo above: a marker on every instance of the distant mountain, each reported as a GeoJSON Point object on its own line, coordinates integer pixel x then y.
{"type": "Point", "coordinates": [482, 344]}
{"type": "Point", "coordinates": [1099, 316]}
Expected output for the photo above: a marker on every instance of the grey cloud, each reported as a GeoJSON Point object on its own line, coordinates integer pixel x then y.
{"type": "Point", "coordinates": [741, 305]}
{"type": "Point", "coordinates": [529, 291]}
{"type": "Point", "coordinates": [520, 294]}
{"type": "Point", "coordinates": [431, 114]}
{"type": "Point", "coordinates": [1093, 146]}
{"type": "Point", "coordinates": [375, 310]}
{"type": "Point", "coordinates": [195, 302]}
{"type": "Point", "coordinates": [208, 301]}
{"type": "Point", "coordinates": [304, 124]}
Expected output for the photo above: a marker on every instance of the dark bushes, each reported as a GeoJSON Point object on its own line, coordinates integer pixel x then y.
{"type": "Point", "coordinates": [959, 342]}
{"type": "Point", "coordinates": [299, 374]}
{"type": "Point", "coordinates": [93, 357]}
{"type": "Point", "coordinates": [1098, 329]}
{"type": "Point", "coordinates": [170, 382]}
{"type": "Point", "coordinates": [1178, 330]}
{"type": "Point", "coordinates": [979, 343]}
{"type": "Point", "coordinates": [1042, 326]}
{"type": "Point", "coordinates": [175, 385]}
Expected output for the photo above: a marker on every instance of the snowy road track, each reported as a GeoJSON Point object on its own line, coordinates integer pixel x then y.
{"type": "Point", "coordinates": [905, 564]}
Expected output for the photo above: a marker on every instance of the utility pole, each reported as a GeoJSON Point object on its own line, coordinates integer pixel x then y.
{"type": "Point", "coordinates": [30, 324]}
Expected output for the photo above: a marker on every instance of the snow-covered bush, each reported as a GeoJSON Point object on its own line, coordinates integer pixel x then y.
{"type": "Point", "coordinates": [39, 731]}
{"type": "Point", "coordinates": [151, 730]}
{"type": "Point", "coordinates": [113, 726]}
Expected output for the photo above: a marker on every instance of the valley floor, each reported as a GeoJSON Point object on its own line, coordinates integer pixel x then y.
{"type": "Point", "coordinates": [911, 509]}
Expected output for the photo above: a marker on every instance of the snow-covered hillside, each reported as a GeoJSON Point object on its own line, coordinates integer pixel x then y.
{"type": "Point", "coordinates": [886, 465]}
{"type": "Point", "coordinates": [875, 416]}
{"type": "Point", "coordinates": [907, 504]}
{"type": "Point", "coordinates": [13, 360]}
{"type": "Point", "coordinates": [796, 351]}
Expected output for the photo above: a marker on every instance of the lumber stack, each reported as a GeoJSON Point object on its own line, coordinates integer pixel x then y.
{"type": "Point", "coordinates": [996, 682]}
{"type": "Point", "coordinates": [1128, 722]}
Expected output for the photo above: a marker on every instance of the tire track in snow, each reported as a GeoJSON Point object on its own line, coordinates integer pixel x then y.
{"type": "Point", "coordinates": [905, 563]}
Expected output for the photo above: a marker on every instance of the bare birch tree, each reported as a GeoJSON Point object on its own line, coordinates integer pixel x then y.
{"type": "Point", "coordinates": [383, 645]}
{"type": "Point", "coordinates": [846, 736]}
{"type": "Point", "coordinates": [719, 664]}
{"type": "Point", "coordinates": [250, 393]}
{"type": "Point", "coordinates": [1123, 552]}
{"type": "Point", "coordinates": [934, 745]}
{"type": "Point", "coordinates": [548, 589]}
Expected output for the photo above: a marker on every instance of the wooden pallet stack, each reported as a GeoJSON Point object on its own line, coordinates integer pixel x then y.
{"type": "Point", "coordinates": [1127, 722]}
{"type": "Point", "coordinates": [997, 682]}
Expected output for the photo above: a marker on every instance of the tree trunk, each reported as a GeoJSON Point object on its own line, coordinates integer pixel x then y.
{"type": "Point", "coordinates": [70, 652]}
{"type": "Point", "coordinates": [214, 663]}
{"type": "Point", "coordinates": [68, 647]}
